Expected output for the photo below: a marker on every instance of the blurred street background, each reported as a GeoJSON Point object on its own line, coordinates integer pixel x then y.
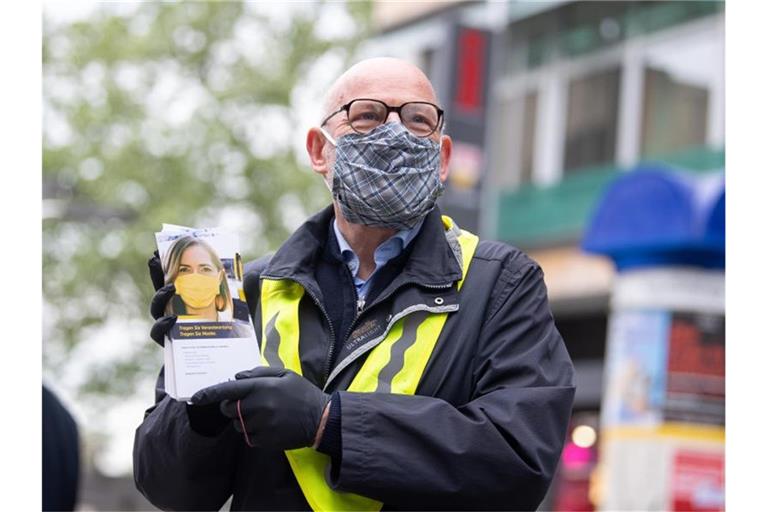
{"type": "Point", "coordinates": [195, 114]}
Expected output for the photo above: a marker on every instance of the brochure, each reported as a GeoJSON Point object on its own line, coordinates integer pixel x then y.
{"type": "Point", "coordinates": [213, 338]}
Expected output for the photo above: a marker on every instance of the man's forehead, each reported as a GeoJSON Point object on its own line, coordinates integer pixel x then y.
{"type": "Point", "coordinates": [392, 88]}
{"type": "Point", "coordinates": [389, 80]}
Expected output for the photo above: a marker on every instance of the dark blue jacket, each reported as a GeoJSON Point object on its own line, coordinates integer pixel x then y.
{"type": "Point", "coordinates": [61, 455]}
{"type": "Point", "coordinates": [484, 430]}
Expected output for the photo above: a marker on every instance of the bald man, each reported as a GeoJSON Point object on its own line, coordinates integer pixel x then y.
{"type": "Point", "coordinates": [407, 364]}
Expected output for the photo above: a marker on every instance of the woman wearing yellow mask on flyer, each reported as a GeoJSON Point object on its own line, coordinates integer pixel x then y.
{"type": "Point", "coordinates": [200, 281]}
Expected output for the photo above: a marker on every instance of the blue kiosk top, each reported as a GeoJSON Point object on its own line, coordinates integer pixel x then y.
{"type": "Point", "coordinates": [654, 215]}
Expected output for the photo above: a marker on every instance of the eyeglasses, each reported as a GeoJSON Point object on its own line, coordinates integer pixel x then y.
{"type": "Point", "coordinates": [421, 118]}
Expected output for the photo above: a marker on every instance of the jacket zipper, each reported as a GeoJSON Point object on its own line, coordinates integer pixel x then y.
{"type": "Point", "coordinates": [360, 306]}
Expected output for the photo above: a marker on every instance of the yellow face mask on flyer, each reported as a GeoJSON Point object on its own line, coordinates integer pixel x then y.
{"type": "Point", "coordinates": [196, 290]}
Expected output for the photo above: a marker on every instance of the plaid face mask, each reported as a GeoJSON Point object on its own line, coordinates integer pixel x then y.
{"type": "Point", "coordinates": [387, 177]}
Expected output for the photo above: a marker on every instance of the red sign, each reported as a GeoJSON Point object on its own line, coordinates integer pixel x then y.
{"type": "Point", "coordinates": [470, 71]}
{"type": "Point", "coordinates": [696, 369]}
{"type": "Point", "coordinates": [698, 481]}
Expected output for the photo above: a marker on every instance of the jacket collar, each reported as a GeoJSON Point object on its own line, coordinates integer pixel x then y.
{"type": "Point", "coordinates": [431, 263]}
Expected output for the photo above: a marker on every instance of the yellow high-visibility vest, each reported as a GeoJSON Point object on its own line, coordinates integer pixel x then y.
{"type": "Point", "coordinates": [395, 365]}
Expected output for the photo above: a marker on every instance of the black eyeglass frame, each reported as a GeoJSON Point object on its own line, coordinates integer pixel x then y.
{"type": "Point", "coordinates": [346, 107]}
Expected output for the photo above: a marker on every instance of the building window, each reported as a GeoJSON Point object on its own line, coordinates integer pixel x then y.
{"type": "Point", "coordinates": [530, 103]}
{"type": "Point", "coordinates": [674, 114]}
{"type": "Point", "coordinates": [591, 121]}
{"type": "Point", "coordinates": [682, 93]}
{"type": "Point", "coordinates": [513, 140]}
{"type": "Point", "coordinates": [427, 62]}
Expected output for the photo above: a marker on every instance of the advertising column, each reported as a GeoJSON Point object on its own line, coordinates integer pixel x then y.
{"type": "Point", "coordinates": [663, 408]}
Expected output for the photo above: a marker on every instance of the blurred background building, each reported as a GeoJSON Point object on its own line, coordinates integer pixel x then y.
{"type": "Point", "coordinates": [547, 103]}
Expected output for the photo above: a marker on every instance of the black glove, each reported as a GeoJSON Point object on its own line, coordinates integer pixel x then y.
{"type": "Point", "coordinates": [163, 294]}
{"type": "Point", "coordinates": [273, 407]}
{"type": "Point", "coordinates": [156, 271]}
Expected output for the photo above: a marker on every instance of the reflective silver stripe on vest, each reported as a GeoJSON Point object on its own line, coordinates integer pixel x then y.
{"type": "Point", "coordinates": [452, 236]}
{"type": "Point", "coordinates": [272, 344]}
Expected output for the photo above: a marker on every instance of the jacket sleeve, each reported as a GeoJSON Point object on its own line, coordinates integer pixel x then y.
{"type": "Point", "coordinates": [499, 450]}
{"type": "Point", "coordinates": [183, 457]}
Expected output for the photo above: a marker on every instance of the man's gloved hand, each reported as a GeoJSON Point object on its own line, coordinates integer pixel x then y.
{"type": "Point", "coordinates": [273, 407]}
{"type": "Point", "coordinates": [163, 294]}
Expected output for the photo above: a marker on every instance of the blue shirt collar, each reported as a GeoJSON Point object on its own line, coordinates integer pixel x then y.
{"type": "Point", "coordinates": [387, 250]}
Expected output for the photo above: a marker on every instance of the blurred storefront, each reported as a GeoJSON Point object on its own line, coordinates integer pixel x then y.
{"type": "Point", "coordinates": [548, 103]}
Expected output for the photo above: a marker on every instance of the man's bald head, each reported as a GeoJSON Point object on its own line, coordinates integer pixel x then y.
{"type": "Point", "coordinates": [393, 81]}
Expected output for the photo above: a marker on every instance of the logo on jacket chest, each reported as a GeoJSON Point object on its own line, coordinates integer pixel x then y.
{"type": "Point", "coordinates": [363, 332]}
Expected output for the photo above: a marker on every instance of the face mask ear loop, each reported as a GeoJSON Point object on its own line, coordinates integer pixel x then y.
{"type": "Point", "coordinates": [333, 143]}
{"type": "Point", "coordinates": [328, 186]}
{"type": "Point", "coordinates": [328, 136]}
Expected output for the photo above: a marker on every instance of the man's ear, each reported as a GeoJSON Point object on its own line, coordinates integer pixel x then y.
{"type": "Point", "coordinates": [445, 156]}
{"type": "Point", "coordinates": [316, 142]}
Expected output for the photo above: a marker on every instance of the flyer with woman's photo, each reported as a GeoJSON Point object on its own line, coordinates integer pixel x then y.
{"type": "Point", "coordinates": [213, 337]}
